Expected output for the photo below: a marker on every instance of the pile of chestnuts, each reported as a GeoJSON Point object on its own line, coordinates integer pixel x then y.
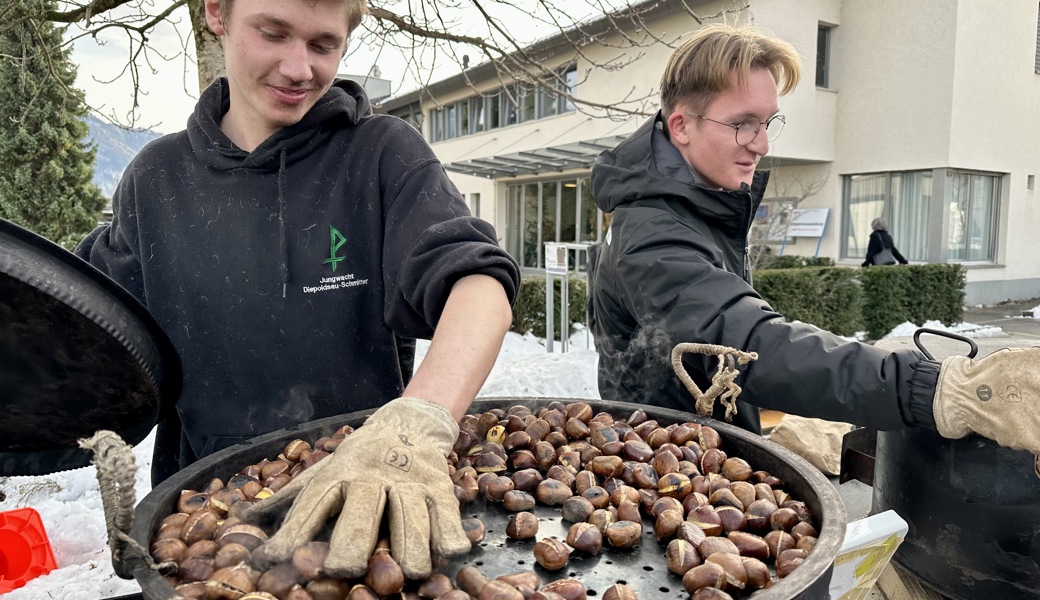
{"type": "Point", "coordinates": [725, 529]}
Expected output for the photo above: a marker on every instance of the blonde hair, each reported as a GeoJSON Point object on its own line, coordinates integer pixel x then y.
{"type": "Point", "coordinates": [700, 68]}
{"type": "Point", "coordinates": [356, 9]}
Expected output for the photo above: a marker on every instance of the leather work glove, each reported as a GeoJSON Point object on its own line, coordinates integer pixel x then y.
{"type": "Point", "coordinates": [398, 456]}
{"type": "Point", "coordinates": [997, 397]}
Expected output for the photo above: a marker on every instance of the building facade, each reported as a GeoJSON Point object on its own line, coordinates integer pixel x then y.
{"type": "Point", "coordinates": [924, 113]}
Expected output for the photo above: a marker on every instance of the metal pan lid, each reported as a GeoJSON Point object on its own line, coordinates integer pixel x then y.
{"type": "Point", "coordinates": [78, 353]}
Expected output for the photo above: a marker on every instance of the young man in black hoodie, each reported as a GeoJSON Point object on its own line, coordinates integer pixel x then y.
{"type": "Point", "coordinates": [286, 241]}
{"type": "Point", "coordinates": [673, 268]}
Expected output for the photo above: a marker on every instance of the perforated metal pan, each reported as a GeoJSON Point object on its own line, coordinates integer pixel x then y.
{"type": "Point", "coordinates": [643, 568]}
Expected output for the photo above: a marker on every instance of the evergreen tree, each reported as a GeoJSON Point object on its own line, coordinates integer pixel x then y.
{"type": "Point", "coordinates": [46, 165]}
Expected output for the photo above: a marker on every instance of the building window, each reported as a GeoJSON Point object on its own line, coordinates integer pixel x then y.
{"type": "Point", "coordinates": [549, 103]}
{"type": "Point", "coordinates": [451, 129]}
{"type": "Point", "coordinates": [474, 204]}
{"type": "Point", "coordinates": [903, 199]}
{"type": "Point", "coordinates": [465, 125]}
{"type": "Point", "coordinates": [973, 203]}
{"type": "Point", "coordinates": [506, 106]}
{"type": "Point", "coordinates": [823, 56]}
{"type": "Point", "coordinates": [510, 107]}
{"type": "Point", "coordinates": [436, 132]}
{"type": "Point", "coordinates": [478, 114]}
{"type": "Point", "coordinates": [967, 207]}
{"type": "Point", "coordinates": [570, 78]}
{"type": "Point", "coordinates": [528, 102]}
{"type": "Point", "coordinates": [559, 210]}
{"type": "Point", "coordinates": [494, 110]}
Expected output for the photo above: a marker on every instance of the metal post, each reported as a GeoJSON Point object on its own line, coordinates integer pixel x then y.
{"type": "Point", "coordinates": [557, 263]}
{"type": "Point", "coordinates": [549, 312]}
{"type": "Point", "coordinates": [565, 317]}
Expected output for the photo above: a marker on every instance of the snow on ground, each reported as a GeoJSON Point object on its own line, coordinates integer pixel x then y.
{"type": "Point", "coordinates": [970, 330]}
{"type": "Point", "coordinates": [70, 504]}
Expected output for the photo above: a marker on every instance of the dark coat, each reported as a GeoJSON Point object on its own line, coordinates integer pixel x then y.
{"type": "Point", "coordinates": [674, 268]}
{"type": "Point", "coordinates": [879, 238]}
{"type": "Point", "coordinates": [286, 276]}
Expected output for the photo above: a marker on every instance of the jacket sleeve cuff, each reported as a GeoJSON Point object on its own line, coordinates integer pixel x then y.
{"type": "Point", "coordinates": [922, 393]}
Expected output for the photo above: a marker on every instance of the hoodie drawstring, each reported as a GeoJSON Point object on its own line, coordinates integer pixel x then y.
{"type": "Point", "coordinates": [281, 223]}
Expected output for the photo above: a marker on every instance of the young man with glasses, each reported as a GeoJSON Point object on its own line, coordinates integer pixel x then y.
{"type": "Point", "coordinates": [673, 268]}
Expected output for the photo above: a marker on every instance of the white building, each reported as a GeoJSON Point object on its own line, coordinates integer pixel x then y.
{"type": "Point", "coordinates": [924, 112]}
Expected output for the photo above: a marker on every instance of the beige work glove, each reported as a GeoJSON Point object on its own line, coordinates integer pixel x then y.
{"type": "Point", "coordinates": [399, 455]}
{"type": "Point", "coordinates": [997, 397]}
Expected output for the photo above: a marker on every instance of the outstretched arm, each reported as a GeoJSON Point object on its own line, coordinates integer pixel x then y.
{"type": "Point", "coordinates": [396, 461]}
{"type": "Point", "coordinates": [465, 344]}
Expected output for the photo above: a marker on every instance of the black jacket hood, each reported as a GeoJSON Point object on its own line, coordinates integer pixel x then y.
{"type": "Point", "coordinates": [345, 103]}
{"type": "Point", "coordinates": [647, 165]}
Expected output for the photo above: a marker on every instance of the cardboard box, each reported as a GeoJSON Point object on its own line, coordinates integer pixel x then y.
{"type": "Point", "coordinates": [869, 545]}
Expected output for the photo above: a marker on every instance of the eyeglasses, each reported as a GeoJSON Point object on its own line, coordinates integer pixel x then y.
{"type": "Point", "coordinates": [747, 130]}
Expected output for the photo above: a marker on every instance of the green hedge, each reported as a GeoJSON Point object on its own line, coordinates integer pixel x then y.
{"type": "Point", "coordinates": [842, 300]}
{"type": "Point", "coordinates": [790, 261]}
{"type": "Point", "coordinates": [911, 293]}
{"type": "Point", "coordinates": [827, 297]}
{"type": "Point", "coordinates": [529, 310]}
{"type": "Point", "coordinates": [874, 300]}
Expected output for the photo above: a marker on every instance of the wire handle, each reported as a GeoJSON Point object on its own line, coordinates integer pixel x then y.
{"type": "Point", "coordinates": [973, 347]}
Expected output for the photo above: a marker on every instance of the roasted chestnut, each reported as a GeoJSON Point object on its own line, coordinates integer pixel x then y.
{"type": "Point", "coordinates": [551, 553]}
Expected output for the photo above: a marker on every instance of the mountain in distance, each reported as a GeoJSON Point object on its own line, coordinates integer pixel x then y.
{"type": "Point", "coordinates": [116, 147]}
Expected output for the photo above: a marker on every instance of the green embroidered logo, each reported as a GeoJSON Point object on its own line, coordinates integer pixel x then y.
{"type": "Point", "coordinates": [336, 242]}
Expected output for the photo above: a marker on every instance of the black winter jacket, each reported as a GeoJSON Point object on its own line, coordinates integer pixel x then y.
{"type": "Point", "coordinates": [285, 276]}
{"type": "Point", "coordinates": [879, 238]}
{"type": "Point", "coordinates": [674, 268]}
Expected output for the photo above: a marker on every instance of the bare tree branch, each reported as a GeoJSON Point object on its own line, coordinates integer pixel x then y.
{"type": "Point", "coordinates": [84, 12]}
{"type": "Point", "coordinates": [427, 33]}
{"type": "Point", "coordinates": [789, 191]}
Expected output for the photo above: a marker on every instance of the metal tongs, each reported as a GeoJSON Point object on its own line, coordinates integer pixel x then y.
{"type": "Point", "coordinates": [972, 352]}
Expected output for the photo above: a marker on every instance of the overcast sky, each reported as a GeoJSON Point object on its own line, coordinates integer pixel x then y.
{"type": "Point", "coordinates": [164, 102]}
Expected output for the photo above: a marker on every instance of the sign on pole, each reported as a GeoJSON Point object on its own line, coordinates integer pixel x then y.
{"type": "Point", "coordinates": [807, 222]}
{"type": "Point", "coordinates": [556, 259]}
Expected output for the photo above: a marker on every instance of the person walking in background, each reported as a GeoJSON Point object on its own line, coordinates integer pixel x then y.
{"type": "Point", "coordinates": [881, 250]}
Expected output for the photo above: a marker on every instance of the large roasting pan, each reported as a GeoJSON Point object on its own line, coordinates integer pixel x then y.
{"type": "Point", "coordinates": [642, 568]}
{"type": "Point", "coordinates": [78, 353]}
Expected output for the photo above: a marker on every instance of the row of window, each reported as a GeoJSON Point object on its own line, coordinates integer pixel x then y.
{"type": "Point", "coordinates": [564, 211]}
{"type": "Point", "coordinates": [907, 201]}
{"type": "Point", "coordinates": [551, 211]}
{"type": "Point", "coordinates": [514, 104]}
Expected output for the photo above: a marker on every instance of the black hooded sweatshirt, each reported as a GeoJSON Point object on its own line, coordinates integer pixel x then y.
{"type": "Point", "coordinates": [674, 268]}
{"type": "Point", "coordinates": [285, 276]}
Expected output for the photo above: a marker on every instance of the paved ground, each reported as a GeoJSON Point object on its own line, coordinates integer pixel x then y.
{"type": "Point", "coordinates": [1009, 316]}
